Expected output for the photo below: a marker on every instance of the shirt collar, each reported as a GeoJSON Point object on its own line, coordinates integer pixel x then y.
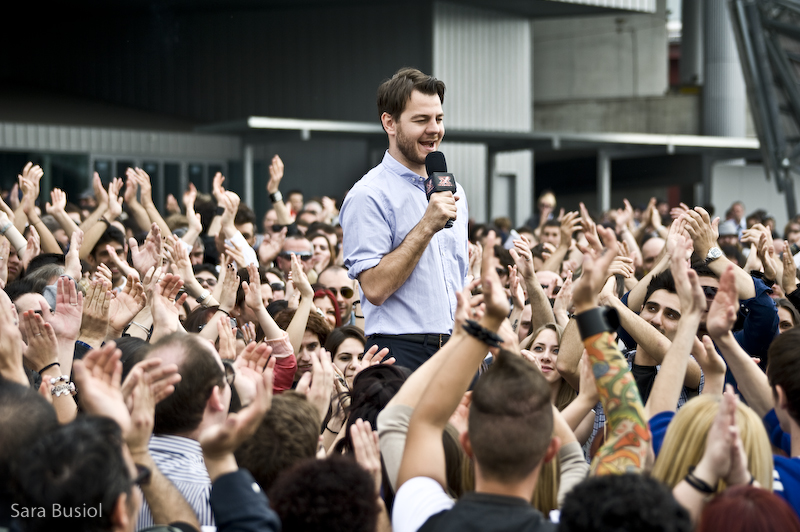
{"type": "Point", "coordinates": [401, 171]}
{"type": "Point", "coordinates": [169, 443]}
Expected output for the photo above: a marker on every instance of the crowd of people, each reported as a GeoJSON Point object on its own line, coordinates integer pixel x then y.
{"type": "Point", "coordinates": [184, 367]}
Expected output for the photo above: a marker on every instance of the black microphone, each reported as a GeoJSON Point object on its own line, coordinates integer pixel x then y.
{"type": "Point", "coordinates": [439, 180]}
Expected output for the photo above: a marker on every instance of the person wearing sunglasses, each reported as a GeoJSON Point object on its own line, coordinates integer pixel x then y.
{"type": "Point", "coordinates": [295, 245]}
{"type": "Point", "coordinates": [335, 279]}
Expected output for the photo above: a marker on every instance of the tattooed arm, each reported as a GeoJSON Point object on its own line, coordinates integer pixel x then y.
{"type": "Point", "coordinates": [629, 437]}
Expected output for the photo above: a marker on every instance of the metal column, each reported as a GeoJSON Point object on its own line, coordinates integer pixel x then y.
{"type": "Point", "coordinates": [247, 160]}
{"type": "Point", "coordinates": [603, 181]}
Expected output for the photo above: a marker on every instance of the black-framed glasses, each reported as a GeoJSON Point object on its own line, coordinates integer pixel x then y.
{"type": "Point", "coordinates": [143, 475]}
{"type": "Point", "coordinates": [208, 283]}
{"type": "Point", "coordinates": [710, 291]}
{"type": "Point", "coordinates": [302, 255]}
{"type": "Point", "coordinates": [346, 291]}
{"type": "Point", "coordinates": [230, 371]}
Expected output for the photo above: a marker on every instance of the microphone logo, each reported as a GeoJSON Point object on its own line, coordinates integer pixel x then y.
{"type": "Point", "coordinates": [444, 181]}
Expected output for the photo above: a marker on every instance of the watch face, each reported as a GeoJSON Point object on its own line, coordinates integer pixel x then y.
{"type": "Point", "coordinates": [714, 253]}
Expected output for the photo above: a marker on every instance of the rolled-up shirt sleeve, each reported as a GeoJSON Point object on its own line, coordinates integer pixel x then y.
{"type": "Point", "coordinates": [367, 223]}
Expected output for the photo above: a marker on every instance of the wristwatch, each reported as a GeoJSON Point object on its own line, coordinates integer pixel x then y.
{"type": "Point", "coordinates": [276, 197]}
{"type": "Point", "coordinates": [713, 254]}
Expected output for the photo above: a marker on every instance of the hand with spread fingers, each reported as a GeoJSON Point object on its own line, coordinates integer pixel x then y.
{"type": "Point", "coordinates": [125, 305]}
{"type": "Point", "coordinates": [98, 381]}
{"type": "Point", "coordinates": [366, 447]}
{"type": "Point", "coordinates": [165, 305]}
{"type": "Point", "coordinates": [250, 366]}
{"type": "Point", "coordinates": [67, 320]}
{"type": "Point", "coordinates": [494, 294]}
{"type": "Point", "coordinates": [42, 342]}
{"type": "Point", "coordinates": [149, 255]}
{"type": "Point", "coordinates": [595, 271]}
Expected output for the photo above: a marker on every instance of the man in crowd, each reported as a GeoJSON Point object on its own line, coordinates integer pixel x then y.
{"type": "Point", "coordinates": [408, 264]}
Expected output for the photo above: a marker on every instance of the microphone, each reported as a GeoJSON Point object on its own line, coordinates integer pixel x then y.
{"type": "Point", "coordinates": [439, 180]}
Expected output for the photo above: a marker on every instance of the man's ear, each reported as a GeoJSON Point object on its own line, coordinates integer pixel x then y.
{"type": "Point", "coordinates": [552, 449]}
{"type": "Point", "coordinates": [120, 520]}
{"type": "Point", "coordinates": [780, 398]}
{"type": "Point", "coordinates": [463, 438]}
{"type": "Point", "coordinates": [214, 402]}
{"type": "Point", "coordinates": [388, 123]}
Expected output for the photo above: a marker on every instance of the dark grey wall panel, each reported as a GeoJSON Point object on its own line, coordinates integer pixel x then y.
{"type": "Point", "coordinates": [217, 65]}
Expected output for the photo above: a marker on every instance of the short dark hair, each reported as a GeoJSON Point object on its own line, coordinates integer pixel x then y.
{"type": "Point", "coordinates": [552, 223]}
{"type": "Point", "coordinates": [329, 495]}
{"type": "Point", "coordinates": [662, 281]}
{"type": "Point", "coordinates": [702, 270]}
{"type": "Point", "coordinates": [19, 288]}
{"type": "Point", "coordinates": [25, 416]}
{"type": "Point", "coordinates": [205, 267]}
{"type": "Point", "coordinates": [629, 501]}
{"type": "Point", "coordinates": [134, 350]}
{"type": "Point", "coordinates": [110, 235]}
{"type": "Point", "coordinates": [511, 400]}
{"type": "Point", "coordinates": [200, 372]}
{"type": "Point", "coordinates": [394, 93]}
{"type": "Point", "coordinates": [75, 465]}
{"type": "Point", "coordinates": [244, 215]}
{"type": "Point", "coordinates": [44, 259]}
{"type": "Point", "coordinates": [783, 368]}
{"type": "Point", "coordinates": [287, 435]}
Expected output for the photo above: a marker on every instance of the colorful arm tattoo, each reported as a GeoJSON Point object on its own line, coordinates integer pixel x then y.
{"type": "Point", "coordinates": [629, 437]}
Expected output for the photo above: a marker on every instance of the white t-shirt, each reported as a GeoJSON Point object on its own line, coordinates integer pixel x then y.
{"type": "Point", "coordinates": [417, 501]}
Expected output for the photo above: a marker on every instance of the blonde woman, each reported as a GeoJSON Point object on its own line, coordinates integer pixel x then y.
{"type": "Point", "coordinates": [685, 441]}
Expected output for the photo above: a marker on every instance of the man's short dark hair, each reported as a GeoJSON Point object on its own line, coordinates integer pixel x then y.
{"type": "Point", "coordinates": [112, 235]}
{"type": "Point", "coordinates": [329, 495]}
{"type": "Point", "coordinates": [394, 93]}
{"type": "Point", "coordinates": [200, 372]}
{"type": "Point", "coordinates": [552, 223]}
{"type": "Point", "coordinates": [44, 259]}
{"type": "Point", "coordinates": [288, 434]}
{"type": "Point", "coordinates": [316, 324]}
{"type": "Point", "coordinates": [244, 215]}
{"type": "Point", "coordinates": [629, 501]}
{"type": "Point", "coordinates": [19, 288]}
{"type": "Point", "coordinates": [205, 267]}
{"type": "Point", "coordinates": [511, 401]}
{"type": "Point", "coordinates": [24, 418]}
{"type": "Point", "coordinates": [78, 465]}
{"type": "Point", "coordinates": [702, 270]}
{"type": "Point", "coordinates": [662, 281]}
{"type": "Point", "coordinates": [783, 368]}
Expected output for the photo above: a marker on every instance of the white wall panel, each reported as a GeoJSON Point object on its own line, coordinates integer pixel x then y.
{"type": "Point", "coordinates": [519, 163]}
{"type": "Point", "coordinates": [484, 58]}
{"type": "Point", "coordinates": [468, 163]}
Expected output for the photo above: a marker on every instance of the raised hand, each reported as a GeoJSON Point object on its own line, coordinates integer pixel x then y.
{"type": "Point", "coordinates": [125, 305]}
{"type": "Point", "coordinates": [94, 324]}
{"type": "Point", "coordinates": [165, 305]}
{"type": "Point", "coordinates": [98, 381]}
{"type": "Point", "coordinates": [100, 194]}
{"type": "Point", "coordinates": [72, 260]}
{"type": "Point", "coordinates": [372, 357]}
{"type": "Point", "coordinates": [149, 255]}
{"type": "Point", "coordinates": [275, 175]}
{"type": "Point", "coordinates": [250, 366]}
{"type": "Point", "coordinates": [724, 308]}
{"type": "Point", "coordinates": [366, 447]}
{"type": "Point", "coordinates": [494, 294]}
{"type": "Point", "coordinates": [318, 384]}
{"type": "Point", "coordinates": [41, 339]}
{"type": "Point", "coordinates": [172, 206]}
{"type": "Point", "coordinates": [162, 379]}
{"type": "Point", "coordinates": [595, 271]}
{"type": "Point", "coordinates": [5, 252]}
{"type": "Point", "coordinates": [789, 276]}
{"type": "Point", "coordinates": [58, 202]}
{"type": "Point", "coordinates": [67, 319]}
{"type": "Point", "coordinates": [10, 343]}
{"type": "Point", "coordinates": [590, 229]}
{"type": "Point", "coordinates": [702, 229]}
{"type": "Point", "coordinates": [300, 279]}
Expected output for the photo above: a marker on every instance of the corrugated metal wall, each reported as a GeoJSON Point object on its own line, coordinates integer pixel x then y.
{"type": "Point", "coordinates": [647, 6]}
{"type": "Point", "coordinates": [485, 57]}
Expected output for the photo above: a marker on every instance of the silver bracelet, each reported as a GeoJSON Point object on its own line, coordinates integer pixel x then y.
{"type": "Point", "coordinates": [64, 386]}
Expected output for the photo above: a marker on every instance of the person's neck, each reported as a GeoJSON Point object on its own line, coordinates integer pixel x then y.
{"type": "Point", "coordinates": [642, 358]}
{"type": "Point", "coordinates": [554, 389]}
{"type": "Point", "coordinates": [794, 432]}
{"type": "Point", "coordinates": [522, 489]}
{"type": "Point", "coordinates": [418, 169]}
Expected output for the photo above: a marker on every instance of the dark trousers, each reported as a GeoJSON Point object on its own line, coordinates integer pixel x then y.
{"type": "Point", "coordinates": [407, 353]}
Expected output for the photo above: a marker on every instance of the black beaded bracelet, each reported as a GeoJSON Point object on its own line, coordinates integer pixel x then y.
{"type": "Point", "coordinates": [700, 485]}
{"type": "Point", "coordinates": [482, 334]}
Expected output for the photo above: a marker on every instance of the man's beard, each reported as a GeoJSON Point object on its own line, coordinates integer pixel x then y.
{"type": "Point", "coordinates": [408, 148]}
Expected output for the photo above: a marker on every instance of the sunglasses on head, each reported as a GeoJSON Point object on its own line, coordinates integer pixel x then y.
{"type": "Point", "coordinates": [346, 291]}
{"type": "Point", "coordinates": [302, 255]}
{"type": "Point", "coordinates": [556, 289]}
{"type": "Point", "coordinates": [277, 286]}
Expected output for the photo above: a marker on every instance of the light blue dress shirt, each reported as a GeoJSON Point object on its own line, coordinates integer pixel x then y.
{"type": "Point", "coordinates": [377, 214]}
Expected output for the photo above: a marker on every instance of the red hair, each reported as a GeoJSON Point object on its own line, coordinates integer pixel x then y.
{"type": "Point", "coordinates": [750, 509]}
{"type": "Point", "coordinates": [324, 292]}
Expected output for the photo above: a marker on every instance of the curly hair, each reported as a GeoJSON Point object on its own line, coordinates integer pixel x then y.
{"type": "Point", "coordinates": [622, 502]}
{"type": "Point", "coordinates": [331, 495]}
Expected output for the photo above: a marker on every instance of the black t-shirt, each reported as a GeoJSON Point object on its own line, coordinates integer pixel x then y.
{"type": "Point", "coordinates": [489, 513]}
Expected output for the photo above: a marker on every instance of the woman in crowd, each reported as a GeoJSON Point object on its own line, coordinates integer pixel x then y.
{"type": "Point", "coordinates": [323, 252]}
{"type": "Point", "coordinates": [327, 306]}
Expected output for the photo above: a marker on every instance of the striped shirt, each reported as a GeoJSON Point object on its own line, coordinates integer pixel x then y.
{"type": "Point", "coordinates": [181, 461]}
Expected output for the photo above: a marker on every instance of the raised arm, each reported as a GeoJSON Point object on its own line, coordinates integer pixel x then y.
{"type": "Point", "coordinates": [669, 381]}
{"type": "Point", "coordinates": [424, 455]}
{"type": "Point", "coordinates": [570, 223]}
{"type": "Point", "coordinates": [541, 311]}
{"type": "Point", "coordinates": [629, 438]}
{"type": "Point", "coordinates": [282, 212]}
{"type": "Point", "coordinates": [752, 382]}
{"type": "Point", "coordinates": [142, 178]}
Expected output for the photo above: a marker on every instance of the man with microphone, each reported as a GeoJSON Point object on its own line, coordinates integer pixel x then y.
{"type": "Point", "coordinates": [397, 243]}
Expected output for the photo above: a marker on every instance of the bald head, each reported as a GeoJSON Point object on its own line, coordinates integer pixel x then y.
{"type": "Point", "coordinates": [650, 252]}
